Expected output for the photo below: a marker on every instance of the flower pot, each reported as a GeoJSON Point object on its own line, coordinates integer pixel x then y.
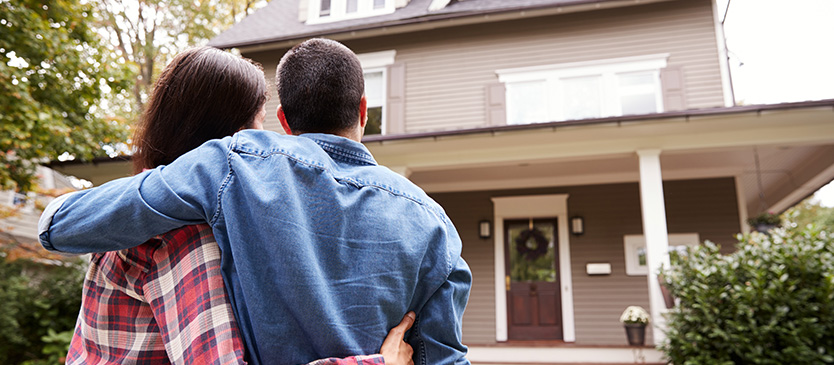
{"type": "Point", "coordinates": [635, 333]}
{"type": "Point", "coordinates": [764, 227]}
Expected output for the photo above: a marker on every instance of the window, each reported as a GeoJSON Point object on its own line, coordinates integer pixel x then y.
{"type": "Point", "coordinates": [635, 250]}
{"type": "Point", "coordinates": [323, 11]}
{"type": "Point", "coordinates": [375, 67]}
{"type": "Point", "coordinates": [583, 90]}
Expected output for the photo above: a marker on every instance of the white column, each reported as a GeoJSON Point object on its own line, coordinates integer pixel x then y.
{"type": "Point", "coordinates": [654, 229]}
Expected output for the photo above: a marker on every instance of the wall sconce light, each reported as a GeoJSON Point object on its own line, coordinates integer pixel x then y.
{"type": "Point", "coordinates": [577, 225]}
{"type": "Point", "coordinates": [484, 229]}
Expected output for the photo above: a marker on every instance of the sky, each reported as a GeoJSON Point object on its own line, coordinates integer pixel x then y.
{"type": "Point", "coordinates": [781, 51]}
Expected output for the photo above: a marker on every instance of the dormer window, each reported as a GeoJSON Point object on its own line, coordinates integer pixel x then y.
{"type": "Point", "coordinates": [323, 11]}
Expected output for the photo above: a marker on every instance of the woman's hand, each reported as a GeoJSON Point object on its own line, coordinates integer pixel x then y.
{"type": "Point", "coordinates": [394, 350]}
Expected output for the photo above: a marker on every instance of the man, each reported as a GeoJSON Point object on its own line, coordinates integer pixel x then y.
{"type": "Point", "coordinates": [322, 249]}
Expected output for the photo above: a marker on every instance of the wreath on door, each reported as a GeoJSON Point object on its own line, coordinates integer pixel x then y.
{"type": "Point", "coordinates": [532, 253]}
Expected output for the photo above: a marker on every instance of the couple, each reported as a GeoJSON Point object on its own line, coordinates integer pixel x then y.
{"type": "Point", "coordinates": [321, 250]}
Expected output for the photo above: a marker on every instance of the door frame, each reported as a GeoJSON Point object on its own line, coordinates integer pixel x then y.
{"type": "Point", "coordinates": [533, 206]}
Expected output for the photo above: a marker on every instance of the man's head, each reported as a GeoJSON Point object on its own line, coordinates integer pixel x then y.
{"type": "Point", "coordinates": [321, 88]}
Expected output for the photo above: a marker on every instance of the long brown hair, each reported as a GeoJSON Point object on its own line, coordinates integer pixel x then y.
{"type": "Point", "coordinates": [204, 93]}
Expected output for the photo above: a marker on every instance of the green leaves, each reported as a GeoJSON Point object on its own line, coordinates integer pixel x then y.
{"type": "Point", "coordinates": [770, 302]}
{"type": "Point", "coordinates": [52, 67]}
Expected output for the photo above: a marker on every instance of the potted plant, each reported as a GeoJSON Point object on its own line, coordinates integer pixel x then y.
{"type": "Point", "coordinates": [764, 222]}
{"type": "Point", "coordinates": [635, 319]}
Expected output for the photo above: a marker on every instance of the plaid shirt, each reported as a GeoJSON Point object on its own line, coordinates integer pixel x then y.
{"type": "Point", "coordinates": [163, 302]}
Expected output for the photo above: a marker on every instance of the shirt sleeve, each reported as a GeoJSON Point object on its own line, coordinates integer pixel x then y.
{"type": "Point", "coordinates": [437, 334]}
{"type": "Point", "coordinates": [126, 212]}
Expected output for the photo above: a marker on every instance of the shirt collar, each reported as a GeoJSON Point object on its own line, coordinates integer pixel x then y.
{"type": "Point", "coordinates": [342, 148]}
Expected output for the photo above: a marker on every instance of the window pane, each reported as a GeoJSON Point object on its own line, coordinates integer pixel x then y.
{"type": "Point", "coordinates": [374, 125]}
{"type": "Point", "coordinates": [352, 6]}
{"type": "Point", "coordinates": [374, 89]}
{"type": "Point", "coordinates": [638, 104]}
{"type": "Point", "coordinates": [379, 4]}
{"type": "Point", "coordinates": [325, 8]}
{"type": "Point", "coordinates": [526, 102]}
{"type": "Point", "coordinates": [638, 93]}
{"type": "Point", "coordinates": [528, 260]}
{"type": "Point", "coordinates": [581, 97]}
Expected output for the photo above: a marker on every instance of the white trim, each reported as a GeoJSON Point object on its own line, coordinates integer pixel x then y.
{"type": "Point", "coordinates": [377, 59]}
{"type": "Point", "coordinates": [438, 4]}
{"type": "Point", "coordinates": [533, 206]}
{"type": "Point", "coordinates": [741, 199]}
{"type": "Point", "coordinates": [723, 58]}
{"type": "Point", "coordinates": [484, 355]}
{"type": "Point", "coordinates": [633, 242]}
{"type": "Point", "coordinates": [568, 69]}
{"type": "Point", "coordinates": [338, 11]}
{"type": "Point", "coordinates": [653, 207]}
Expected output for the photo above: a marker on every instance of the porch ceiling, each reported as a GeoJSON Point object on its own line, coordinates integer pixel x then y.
{"type": "Point", "coordinates": [795, 149]}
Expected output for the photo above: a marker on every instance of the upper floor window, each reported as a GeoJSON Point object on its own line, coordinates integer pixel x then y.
{"type": "Point", "coordinates": [322, 11]}
{"type": "Point", "coordinates": [584, 90]}
{"type": "Point", "coordinates": [375, 66]}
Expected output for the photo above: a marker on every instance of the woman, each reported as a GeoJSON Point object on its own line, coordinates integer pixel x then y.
{"type": "Point", "coordinates": [165, 301]}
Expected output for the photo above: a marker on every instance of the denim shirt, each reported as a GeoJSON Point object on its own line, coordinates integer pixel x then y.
{"type": "Point", "coordinates": [323, 251]}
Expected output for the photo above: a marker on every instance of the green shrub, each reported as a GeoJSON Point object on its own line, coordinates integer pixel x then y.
{"type": "Point", "coordinates": [770, 302]}
{"type": "Point", "coordinates": [39, 305]}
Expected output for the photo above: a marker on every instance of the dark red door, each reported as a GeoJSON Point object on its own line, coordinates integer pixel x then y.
{"type": "Point", "coordinates": [533, 301]}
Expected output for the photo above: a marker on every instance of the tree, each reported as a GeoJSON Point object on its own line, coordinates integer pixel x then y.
{"type": "Point", "coordinates": [54, 71]}
{"type": "Point", "coordinates": [809, 211]}
{"type": "Point", "coordinates": [148, 33]}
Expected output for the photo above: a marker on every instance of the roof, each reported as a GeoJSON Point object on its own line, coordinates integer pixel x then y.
{"type": "Point", "coordinates": [278, 21]}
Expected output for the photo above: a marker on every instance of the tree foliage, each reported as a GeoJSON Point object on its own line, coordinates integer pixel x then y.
{"type": "Point", "coordinates": [148, 33]}
{"type": "Point", "coordinates": [54, 71]}
{"type": "Point", "coordinates": [40, 306]}
{"type": "Point", "coordinates": [770, 302]}
{"type": "Point", "coordinates": [810, 211]}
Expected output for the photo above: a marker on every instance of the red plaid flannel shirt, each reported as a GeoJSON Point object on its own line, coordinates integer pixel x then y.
{"type": "Point", "coordinates": [163, 302]}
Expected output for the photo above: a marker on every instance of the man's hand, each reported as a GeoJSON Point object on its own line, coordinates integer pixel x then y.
{"type": "Point", "coordinates": [394, 350]}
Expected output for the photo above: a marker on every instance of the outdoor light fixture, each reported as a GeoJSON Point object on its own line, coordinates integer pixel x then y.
{"type": "Point", "coordinates": [484, 229]}
{"type": "Point", "coordinates": [577, 225]}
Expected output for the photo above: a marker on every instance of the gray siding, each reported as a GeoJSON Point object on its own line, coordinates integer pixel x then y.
{"type": "Point", "coordinates": [447, 69]}
{"type": "Point", "coordinates": [707, 207]}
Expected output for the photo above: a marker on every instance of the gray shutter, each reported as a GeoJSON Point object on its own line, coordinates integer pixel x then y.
{"type": "Point", "coordinates": [496, 104]}
{"type": "Point", "coordinates": [395, 105]}
{"type": "Point", "coordinates": [671, 80]}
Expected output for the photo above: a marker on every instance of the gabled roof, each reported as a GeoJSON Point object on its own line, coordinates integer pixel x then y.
{"type": "Point", "coordinates": [279, 20]}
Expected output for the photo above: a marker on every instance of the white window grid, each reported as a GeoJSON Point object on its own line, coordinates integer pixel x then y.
{"type": "Point", "coordinates": [338, 10]}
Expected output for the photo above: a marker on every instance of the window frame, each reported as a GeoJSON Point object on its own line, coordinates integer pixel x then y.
{"type": "Point", "coordinates": [338, 10]}
{"type": "Point", "coordinates": [376, 62]}
{"type": "Point", "coordinates": [633, 242]}
{"type": "Point", "coordinates": [608, 70]}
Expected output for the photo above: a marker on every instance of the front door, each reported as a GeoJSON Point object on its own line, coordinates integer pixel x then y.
{"type": "Point", "coordinates": [532, 280]}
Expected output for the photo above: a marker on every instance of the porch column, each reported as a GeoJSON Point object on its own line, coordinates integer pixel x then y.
{"type": "Point", "coordinates": [655, 232]}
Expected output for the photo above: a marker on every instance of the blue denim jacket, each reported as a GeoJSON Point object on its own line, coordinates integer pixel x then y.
{"type": "Point", "coordinates": [323, 251]}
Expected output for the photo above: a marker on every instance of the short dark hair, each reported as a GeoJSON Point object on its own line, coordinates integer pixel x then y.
{"type": "Point", "coordinates": [204, 93]}
{"type": "Point", "coordinates": [320, 85]}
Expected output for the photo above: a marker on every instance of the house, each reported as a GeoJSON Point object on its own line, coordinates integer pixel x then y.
{"type": "Point", "coordinates": [572, 142]}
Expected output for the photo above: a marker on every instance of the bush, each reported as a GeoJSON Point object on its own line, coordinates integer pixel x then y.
{"type": "Point", "coordinates": [39, 304]}
{"type": "Point", "coordinates": [770, 302]}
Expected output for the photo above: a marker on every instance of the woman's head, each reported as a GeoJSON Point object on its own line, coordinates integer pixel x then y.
{"type": "Point", "coordinates": [203, 94]}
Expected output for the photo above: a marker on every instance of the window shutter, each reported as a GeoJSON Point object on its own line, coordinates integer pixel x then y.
{"type": "Point", "coordinates": [496, 104]}
{"type": "Point", "coordinates": [671, 80]}
{"type": "Point", "coordinates": [303, 5]}
{"type": "Point", "coordinates": [395, 104]}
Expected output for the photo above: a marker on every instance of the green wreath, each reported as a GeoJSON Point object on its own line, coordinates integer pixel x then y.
{"type": "Point", "coordinates": [531, 253]}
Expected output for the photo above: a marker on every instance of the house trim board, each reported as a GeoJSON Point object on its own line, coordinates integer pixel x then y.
{"type": "Point", "coordinates": [568, 355]}
{"type": "Point", "coordinates": [742, 205]}
{"type": "Point", "coordinates": [533, 206]}
{"type": "Point", "coordinates": [723, 58]}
